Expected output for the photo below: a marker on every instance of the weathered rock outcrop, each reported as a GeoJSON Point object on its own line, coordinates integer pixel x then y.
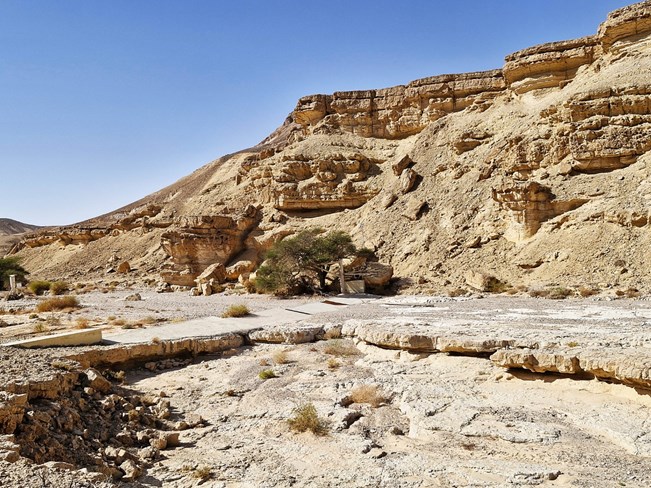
{"type": "Point", "coordinates": [550, 154]}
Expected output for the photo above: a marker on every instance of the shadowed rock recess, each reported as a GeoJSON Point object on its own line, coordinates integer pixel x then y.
{"type": "Point", "coordinates": [542, 165]}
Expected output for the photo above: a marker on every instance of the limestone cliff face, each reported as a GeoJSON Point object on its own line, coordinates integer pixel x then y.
{"type": "Point", "coordinates": [537, 173]}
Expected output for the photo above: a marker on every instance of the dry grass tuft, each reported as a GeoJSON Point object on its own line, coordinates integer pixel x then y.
{"type": "Point", "coordinates": [341, 348]}
{"type": "Point", "coordinates": [306, 418]}
{"type": "Point", "coordinates": [334, 333]}
{"type": "Point", "coordinates": [368, 394]}
{"type": "Point", "coordinates": [586, 292]}
{"type": "Point", "coordinates": [280, 357]}
{"type": "Point", "coordinates": [39, 328]}
{"type": "Point", "coordinates": [333, 363]}
{"type": "Point", "coordinates": [236, 311]}
{"type": "Point", "coordinates": [58, 303]}
{"type": "Point", "coordinates": [82, 323]}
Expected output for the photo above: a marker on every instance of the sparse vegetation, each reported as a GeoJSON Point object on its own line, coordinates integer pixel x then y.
{"type": "Point", "coordinates": [264, 362]}
{"type": "Point", "coordinates": [560, 293]}
{"type": "Point", "coordinates": [586, 292]}
{"type": "Point", "coordinates": [267, 374]}
{"type": "Point", "coordinates": [300, 263]}
{"type": "Point", "coordinates": [39, 328]}
{"type": "Point", "coordinates": [236, 311]}
{"type": "Point", "coordinates": [628, 293]}
{"type": "Point", "coordinates": [334, 333]}
{"type": "Point", "coordinates": [333, 363]}
{"type": "Point", "coordinates": [572, 344]}
{"type": "Point", "coordinates": [457, 292]}
{"type": "Point", "coordinates": [202, 473]}
{"type": "Point", "coordinates": [156, 340]}
{"type": "Point", "coordinates": [369, 394]}
{"type": "Point", "coordinates": [82, 323]}
{"type": "Point", "coordinates": [280, 357]}
{"type": "Point", "coordinates": [538, 293]}
{"type": "Point", "coordinates": [39, 287]}
{"type": "Point", "coordinates": [10, 266]}
{"type": "Point", "coordinates": [58, 303]}
{"type": "Point", "coordinates": [58, 287]}
{"type": "Point", "coordinates": [305, 417]}
{"type": "Point", "coordinates": [341, 348]}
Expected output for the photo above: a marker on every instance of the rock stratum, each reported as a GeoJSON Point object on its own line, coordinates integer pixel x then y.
{"type": "Point", "coordinates": [537, 173]}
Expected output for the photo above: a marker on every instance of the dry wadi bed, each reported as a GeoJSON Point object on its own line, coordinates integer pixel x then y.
{"type": "Point", "coordinates": [398, 417]}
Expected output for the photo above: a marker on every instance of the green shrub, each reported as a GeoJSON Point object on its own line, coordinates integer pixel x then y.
{"type": "Point", "coordinates": [236, 311]}
{"type": "Point", "coordinates": [39, 287]}
{"type": "Point", "coordinates": [306, 418]}
{"type": "Point", "coordinates": [267, 374]}
{"type": "Point", "coordinates": [9, 266]}
{"type": "Point", "coordinates": [302, 262]}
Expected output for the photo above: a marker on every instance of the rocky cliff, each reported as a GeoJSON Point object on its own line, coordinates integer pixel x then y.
{"type": "Point", "coordinates": [537, 173]}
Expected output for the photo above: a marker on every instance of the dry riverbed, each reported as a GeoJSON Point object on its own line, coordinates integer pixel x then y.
{"type": "Point", "coordinates": [398, 415]}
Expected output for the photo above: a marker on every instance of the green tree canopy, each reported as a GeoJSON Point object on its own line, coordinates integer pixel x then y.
{"type": "Point", "coordinates": [9, 266]}
{"type": "Point", "coordinates": [301, 262]}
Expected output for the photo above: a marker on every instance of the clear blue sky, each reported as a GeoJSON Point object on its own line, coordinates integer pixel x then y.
{"type": "Point", "coordinates": [104, 102]}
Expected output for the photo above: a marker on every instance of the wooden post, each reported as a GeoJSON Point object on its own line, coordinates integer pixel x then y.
{"type": "Point", "coordinates": [12, 283]}
{"type": "Point", "coordinates": [342, 278]}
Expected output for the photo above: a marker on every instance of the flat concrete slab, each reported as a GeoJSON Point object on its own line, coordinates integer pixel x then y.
{"type": "Point", "coordinates": [214, 326]}
{"type": "Point", "coordinates": [76, 338]}
{"type": "Point", "coordinates": [317, 307]}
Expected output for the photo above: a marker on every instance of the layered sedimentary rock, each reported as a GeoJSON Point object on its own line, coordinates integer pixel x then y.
{"type": "Point", "coordinates": [397, 112]}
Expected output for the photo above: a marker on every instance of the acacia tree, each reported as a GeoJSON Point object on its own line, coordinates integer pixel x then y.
{"type": "Point", "coordinates": [302, 261]}
{"type": "Point", "coordinates": [10, 266]}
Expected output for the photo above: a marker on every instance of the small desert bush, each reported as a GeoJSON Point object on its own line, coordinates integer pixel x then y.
{"type": "Point", "coordinates": [457, 292]}
{"type": "Point", "coordinates": [306, 418]}
{"type": "Point", "coordinates": [341, 348]}
{"type": "Point", "coordinates": [586, 292]}
{"type": "Point", "coordinates": [333, 363]}
{"type": "Point", "coordinates": [40, 327]}
{"type": "Point", "coordinates": [560, 293]}
{"type": "Point", "coordinates": [58, 303]}
{"type": "Point", "coordinates": [572, 344]}
{"type": "Point", "coordinates": [38, 287]}
{"type": "Point", "coordinates": [128, 325]}
{"type": "Point", "coordinates": [82, 323]}
{"type": "Point", "coordinates": [156, 340]}
{"type": "Point", "coordinates": [236, 311]}
{"type": "Point", "coordinates": [202, 473]}
{"type": "Point", "coordinates": [53, 321]}
{"type": "Point", "coordinates": [264, 362]}
{"type": "Point", "coordinates": [628, 293]}
{"type": "Point", "coordinates": [280, 357]}
{"type": "Point", "coordinates": [539, 293]}
{"type": "Point", "coordinates": [368, 394]}
{"type": "Point", "coordinates": [118, 322]}
{"type": "Point", "coordinates": [267, 374]}
{"type": "Point", "coordinates": [58, 288]}
{"type": "Point", "coordinates": [334, 333]}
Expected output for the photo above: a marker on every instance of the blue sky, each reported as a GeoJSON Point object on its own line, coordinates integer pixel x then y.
{"type": "Point", "coordinates": [104, 102]}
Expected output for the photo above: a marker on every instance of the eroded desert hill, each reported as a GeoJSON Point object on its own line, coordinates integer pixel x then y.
{"type": "Point", "coordinates": [538, 173]}
{"type": "Point", "coordinates": [11, 232]}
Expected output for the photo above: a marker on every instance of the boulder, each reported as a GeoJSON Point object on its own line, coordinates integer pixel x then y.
{"type": "Point", "coordinates": [124, 267]}
{"type": "Point", "coordinates": [402, 164]}
{"type": "Point", "coordinates": [215, 272]}
{"type": "Point", "coordinates": [408, 180]}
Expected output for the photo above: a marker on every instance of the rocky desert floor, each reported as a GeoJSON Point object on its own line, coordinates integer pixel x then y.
{"type": "Point", "coordinates": [411, 392]}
